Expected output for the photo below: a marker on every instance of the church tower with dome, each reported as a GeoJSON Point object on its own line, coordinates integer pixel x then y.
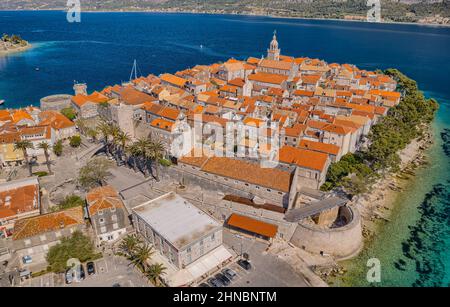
{"type": "Point", "coordinates": [273, 53]}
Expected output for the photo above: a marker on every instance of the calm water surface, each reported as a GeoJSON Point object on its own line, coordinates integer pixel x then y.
{"type": "Point", "coordinates": [413, 248]}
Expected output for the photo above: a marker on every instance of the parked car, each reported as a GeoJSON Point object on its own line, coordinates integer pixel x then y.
{"type": "Point", "coordinates": [203, 285]}
{"type": "Point", "coordinates": [80, 273]}
{"type": "Point", "coordinates": [90, 266]}
{"type": "Point", "coordinates": [69, 276]}
{"type": "Point", "coordinates": [245, 264]}
{"type": "Point", "coordinates": [27, 259]}
{"type": "Point", "coordinates": [215, 283]}
{"type": "Point", "coordinates": [225, 280]}
{"type": "Point", "coordinates": [229, 273]}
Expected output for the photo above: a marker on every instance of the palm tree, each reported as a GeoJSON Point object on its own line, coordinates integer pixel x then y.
{"type": "Point", "coordinates": [156, 153]}
{"type": "Point", "coordinates": [114, 131]}
{"type": "Point", "coordinates": [128, 246]}
{"type": "Point", "coordinates": [44, 146]}
{"type": "Point", "coordinates": [154, 272]}
{"type": "Point", "coordinates": [141, 254]}
{"type": "Point", "coordinates": [104, 128]}
{"type": "Point", "coordinates": [142, 150]}
{"type": "Point", "coordinates": [92, 133]}
{"type": "Point", "coordinates": [82, 125]}
{"type": "Point", "coordinates": [122, 139]}
{"type": "Point", "coordinates": [24, 145]}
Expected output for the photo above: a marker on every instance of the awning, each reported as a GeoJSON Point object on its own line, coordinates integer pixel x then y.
{"type": "Point", "coordinates": [253, 225]}
{"type": "Point", "coordinates": [201, 266]}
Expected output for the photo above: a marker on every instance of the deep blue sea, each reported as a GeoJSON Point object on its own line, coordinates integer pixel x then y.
{"type": "Point", "coordinates": [101, 49]}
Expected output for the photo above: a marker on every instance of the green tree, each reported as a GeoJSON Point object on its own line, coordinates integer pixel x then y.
{"type": "Point", "coordinates": [75, 141]}
{"type": "Point", "coordinates": [77, 246]}
{"type": "Point", "coordinates": [45, 147]}
{"type": "Point", "coordinates": [156, 154]}
{"type": "Point", "coordinates": [128, 246]}
{"type": "Point", "coordinates": [69, 112]}
{"type": "Point", "coordinates": [58, 148]}
{"type": "Point", "coordinates": [94, 173]}
{"type": "Point", "coordinates": [24, 146]}
{"type": "Point", "coordinates": [154, 273]}
{"type": "Point", "coordinates": [141, 255]}
{"type": "Point", "coordinates": [93, 134]}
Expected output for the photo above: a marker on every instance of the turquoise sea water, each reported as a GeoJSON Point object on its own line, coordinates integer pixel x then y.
{"type": "Point", "coordinates": [413, 248]}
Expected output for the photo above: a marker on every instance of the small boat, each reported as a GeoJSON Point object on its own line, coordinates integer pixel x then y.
{"type": "Point", "coordinates": [37, 69]}
{"type": "Point", "coordinates": [2, 102]}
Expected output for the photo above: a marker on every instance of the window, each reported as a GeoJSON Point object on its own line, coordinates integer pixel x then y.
{"type": "Point", "coordinates": [213, 236]}
{"type": "Point", "coordinates": [100, 212]}
{"type": "Point", "coordinates": [114, 218]}
{"type": "Point", "coordinates": [188, 250]}
{"type": "Point", "coordinates": [102, 221]}
{"type": "Point", "coordinates": [103, 229]}
{"type": "Point", "coordinates": [115, 226]}
{"type": "Point", "coordinates": [113, 209]}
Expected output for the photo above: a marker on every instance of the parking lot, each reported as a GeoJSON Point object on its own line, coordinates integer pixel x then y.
{"type": "Point", "coordinates": [267, 270]}
{"type": "Point", "coordinates": [110, 270]}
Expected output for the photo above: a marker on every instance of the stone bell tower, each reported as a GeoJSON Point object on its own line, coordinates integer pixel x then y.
{"type": "Point", "coordinates": [273, 53]}
{"type": "Point", "coordinates": [80, 88]}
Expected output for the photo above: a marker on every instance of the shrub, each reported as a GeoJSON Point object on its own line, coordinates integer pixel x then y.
{"type": "Point", "coordinates": [75, 141]}
{"type": "Point", "coordinates": [58, 148]}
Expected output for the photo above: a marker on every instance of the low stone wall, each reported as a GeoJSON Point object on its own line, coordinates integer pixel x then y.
{"type": "Point", "coordinates": [55, 102]}
{"type": "Point", "coordinates": [342, 242]}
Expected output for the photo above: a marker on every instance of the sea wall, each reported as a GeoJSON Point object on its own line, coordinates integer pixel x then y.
{"type": "Point", "coordinates": [340, 242]}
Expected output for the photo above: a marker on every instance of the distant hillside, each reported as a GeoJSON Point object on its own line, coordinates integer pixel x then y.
{"type": "Point", "coordinates": [426, 11]}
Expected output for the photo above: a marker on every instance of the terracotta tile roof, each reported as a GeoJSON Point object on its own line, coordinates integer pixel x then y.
{"type": "Point", "coordinates": [303, 158]}
{"type": "Point", "coordinates": [359, 107]}
{"type": "Point", "coordinates": [162, 124]}
{"type": "Point", "coordinates": [41, 224]}
{"type": "Point", "coordinates": [151, 107]}
{"type": "Point", "coordinates": [102, 198]}
{"type": "Point", "coordinates": [18, 199]}
{"type": "Point", "coordinates": [295, 131]}
{"type": "Point", "coordinates": [281, 65]}
{"type": "Point", "coordinates": [268, 78]}
{"type": "Point", "coordinates": [19, 115]}
{"type": "Point", "coordinates": [5, 115]}
{"type": "Point", "coordinates": [169, 113]}
{"type": "Point", "coordinates": [252, 60]}
{"type": "Point", "coordinates": [310, 79]}
{"type": "Point", "coordinates": [239, 82]}
{"type": "Point", "coordinates": [36, 130]}
{"type": "Point", "coordinates": [337, 129]}
{"type": "Point", "coordinates": [130, 95]}
{"type": "Point", "coordinates": [248, 172]}
{"type": "Point", "coordinates": [252, 225]}
{"type": "Point", "coordinates": [303, 93]}
{"type": "Point", "coordinates": [255, 122]}
{"type": "Point", "coordinates": [385, 93]}
{"type": "Point", "coordinates": [173, 80]}
{"type": "Point", "coordinates": [10, 137]}
{"type": "Point", "coordinates": [320, 147]}
{"type": "Point", "coordinates": [55, 119]}
{"type": "Point", "coordinates": [95, 97]}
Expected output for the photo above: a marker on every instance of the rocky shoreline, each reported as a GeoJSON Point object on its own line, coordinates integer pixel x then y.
{"type": "Point", "coordinates": [376, 206]}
